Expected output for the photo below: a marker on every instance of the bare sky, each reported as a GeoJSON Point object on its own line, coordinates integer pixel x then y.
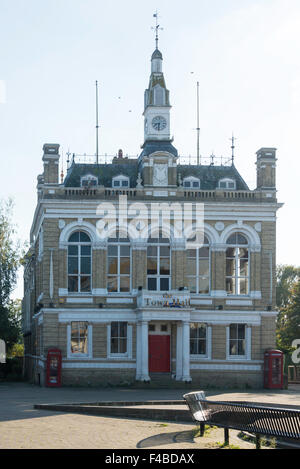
{"type": "Point", "coordinates": [244, 53]}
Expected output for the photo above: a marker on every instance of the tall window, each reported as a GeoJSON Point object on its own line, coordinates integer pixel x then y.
{"type": "Point", "coordinates": [198, 339]}
{"type": "Point", "coordinates": [198, 268]}
{"type": "Point", "coordinates": [118, 337]}
{"type": "Point", "coordinates": [79, 263]}
{"type": "Point", "coordinates": [118, 265]}
{"type": "Point", "coordinates": [79, 337]}
{"type": "Point", "coordinates": [237, 339]}
{"type": "Point", "coordinates": [159, 264]}
{"type": "Point", "coordinates": [237, 265]}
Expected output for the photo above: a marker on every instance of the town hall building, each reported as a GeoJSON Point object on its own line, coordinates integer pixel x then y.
{"type": "Point", "coordinates": [113, 282]}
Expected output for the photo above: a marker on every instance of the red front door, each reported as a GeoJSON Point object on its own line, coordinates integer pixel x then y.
{"type": "Point", "coordinates": [159, 353]}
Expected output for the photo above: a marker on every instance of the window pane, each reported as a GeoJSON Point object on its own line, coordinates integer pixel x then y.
{"type": "Point", "coordinates": [112, 284]}
{"type": "Point", "coordinates": [112, 251]}
{"type": "Point", "coordinates": [230, 267]}
{"type": "Point", "coordinates": [204, 252]}
{"type": "Point", "coordinates": [203, 266]}
{"type": "Point", "coordinates": [164, 266]}
{"type": "Point", "coordinates": [243, 283]}
{"type": "Point", "coordinates": [191, 266]}
{"type": "Point", "coordinates": [124, 183]}
{"type": "Point", "coordinates": [229, 285]}
{"type": "Point", "coordinates": [114, 329]}
{"type": "Point", "coordinates": [124, 265]}
{"type": "Point", "coordinates": [125, 251]}
{"type": "Point", "coordinates": [193, 347]}
{"type": "Point", "coordinates": [152, 251]}
{"type": "Point", "coordinates": [152, 284]}
{"type": "Point", "coordinates": [116, 183]}
{"type": "Point", "coordinates": [244, 267]}
{"type": "Point", "coordinates": [202, 331]}
{"type": "Point", "coordinates": [114, 346]}
{"type": "Point", "coordinates": [74, 238]}
{"type": "Point", "coordinates": [164, 284]}
{"type": "Point", "coordinates": [85, 250]}
{"type": "Point", "coordinates": [72, 283]}
{"type": "Point", "coordinates": [112, 265]}
{"type": "Point", "coordinates": [193, 330]}
{"type": "Point", "coordinates": [241, 347]}
{"type": "Point", "coordinates": [241, 331]}
{"type": "Point", "coordinates": [73, 265]}
{"type": "Point", "coordinates": [230, 252]}
{"type": "Point", "coordinates": [241, 239]}
{"type": "Point", "coordinates": [191, 252]}
{"type": "Point", "coordinates": [85, 283]}
{"type": "Point", "coordinates": [233, 347]}
{"type": "Point", "coordinates": [85, 265]}
{"type": "Point", "coordinates": [233, 331]}
{"type": "Point", "coordinates": [124, 284]}
{"type": "Point", "coordinates": [122, 345]}
{"type": "Point", "coordinates": [84, 238]}
{"type": "Point", "coordinates": [151, 266]}
{"type": "Point", "coordinates": [203, 285]}
{"type": "Point", "coordinates": [122, 329]}
{"type": "Point", "coordinates": [201, 347]}
{"type": "Point", "coordinates": [192, 284]}
{"type": "Point", "coordinates": [243, 253]}
{"type": "Point", "coordinates": [164, 251]}
{"type": "Point", "coordinates": [73, 250]}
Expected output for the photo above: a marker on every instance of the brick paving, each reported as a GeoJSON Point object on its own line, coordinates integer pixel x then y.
{"type": "Point", "coordinates": [22, 426]}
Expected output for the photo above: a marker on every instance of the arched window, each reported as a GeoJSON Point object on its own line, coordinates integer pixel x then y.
{"type": "Point", "coordinates": [158, 264]}
{"type": "Point", "coordinates": [118, 264]}
{"type": "Point", "coordinates": [79, 263]}
{"type": "Point", "coordinates": [198, 268]}
{"type": "Point", "coordinates": [237, 265]}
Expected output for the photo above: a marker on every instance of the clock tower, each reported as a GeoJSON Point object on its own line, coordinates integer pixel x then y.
{"type": "Point", "coordinates": [158, 160]}
{"type": "Point", "coordinates": [156, 103]}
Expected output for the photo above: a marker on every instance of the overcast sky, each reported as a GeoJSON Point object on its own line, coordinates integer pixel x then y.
{"type": "Point", "coordinates": [244, 53]}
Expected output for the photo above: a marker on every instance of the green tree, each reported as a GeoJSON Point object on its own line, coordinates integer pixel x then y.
{"type": "Point", "coordinates": [286, 277]}
{"type": "Point", "coordinates": [10, 258]}
{"type": "Point", "coordinates": [288, 328]}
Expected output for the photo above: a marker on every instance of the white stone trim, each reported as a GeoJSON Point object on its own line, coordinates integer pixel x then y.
{"type": "Point", "coordinates": [225, 367]}
{"type": "Point", "coordinates": [75, 226]}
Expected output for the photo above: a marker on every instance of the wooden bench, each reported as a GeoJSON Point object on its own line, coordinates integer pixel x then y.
{"type": "Point", "coordinates": [256, 419]}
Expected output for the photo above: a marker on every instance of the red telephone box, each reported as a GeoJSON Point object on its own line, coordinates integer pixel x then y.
{"type": "Point", "coordinates": [273, 369]}
{"type": "Point", "coordinates": [53, 377]}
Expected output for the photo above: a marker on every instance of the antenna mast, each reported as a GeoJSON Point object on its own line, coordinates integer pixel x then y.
{"type": "Point", "coordinates": [97, 126]}
{"type": "Point", "coordinates": [198, 128]}
{"type": "Point", "coordinates": [232, 149]}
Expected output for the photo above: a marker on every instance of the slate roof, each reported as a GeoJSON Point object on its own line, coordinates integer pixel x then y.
{"type": "Point", "coordinates": [209, 175]}
{"type": "Point", "coordinates": [104, 173]}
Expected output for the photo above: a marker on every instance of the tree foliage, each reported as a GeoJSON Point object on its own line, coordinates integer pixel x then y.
{"type": "Point", "coordinates": [10, 253]}
{"type": "Point", "coordinates": [10, 257]}
{"type": "Point", "coordinates": [288, 303]}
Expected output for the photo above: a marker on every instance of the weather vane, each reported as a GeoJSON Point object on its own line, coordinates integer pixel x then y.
{"type": "Point", "coordinates": [157, 28]}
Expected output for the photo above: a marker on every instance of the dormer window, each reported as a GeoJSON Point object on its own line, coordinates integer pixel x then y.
{"type": "Point", "coordinates": [120, 181]}
{"type": "Point", "coordinates": [227, 184]}
{"type": "Point", "coordinates": [88, 181]}
{"type": "Point", "coordinates": [191, 182]}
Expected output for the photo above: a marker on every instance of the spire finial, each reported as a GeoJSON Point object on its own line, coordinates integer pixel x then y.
{"type": "Point", "coordinates": [156, 29]}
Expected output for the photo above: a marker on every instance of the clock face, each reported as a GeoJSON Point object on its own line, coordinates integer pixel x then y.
{"type": "Point", "coordinates": [159, 123]}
